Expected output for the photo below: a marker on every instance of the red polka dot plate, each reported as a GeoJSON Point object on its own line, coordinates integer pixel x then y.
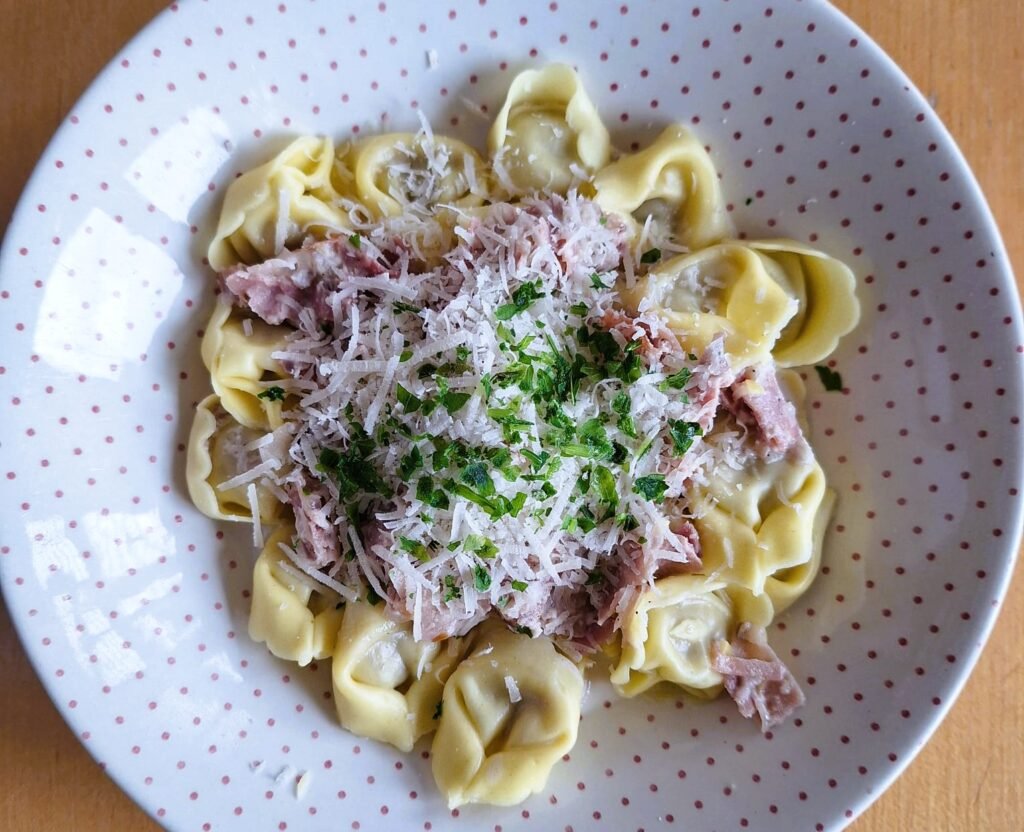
{"type": "Point", "coordinates": [133, 606]}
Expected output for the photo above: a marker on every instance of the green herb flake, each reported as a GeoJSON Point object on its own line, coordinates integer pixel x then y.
{"type": "Point", "coordinates": [596, 282]}
{"type": "Point", "coordinates": [579, 309]}
{"type": "Point", "coordinates": [830, 379]}
{"type": "Point", "coordinates": [414, 548]}
{"type": "Point", "coordinates": [355, 241]}
{"type": "Point", "coordinates": [526, 631]}
{"type": "Point", "coordinates": [522, 299]}
{"type": "Point", "coordinates": [410, 401]}
{"type": "Point", "coordinates": [410, 463]}
{"type": "Point", "coordinates": [481, 579]}
{"type": "Point", "coordinates": [273, 394]}
{"type": "Point", "coordinates": [683, 434]}
{"type": "Point", "coordinates": [651, 487]}
{"type": "Point", "coordinates": [606, 485]}
{"type": "Point", "coordinates": [454, 402]}
{"type": "Point", "coordinates": [372, 597]}
{"type": "Point", "coordinates": [652, 255]}
{"type": "Point", "coordinates": [451, 591]}
{"type": "Point", "coordinates": [676, 381]}
{"type": "Point", "coordinates": [519, 586]}
{"type": "Point", "coordinates": [594, 578]}
{"type": "Point", "coordinates": [404, 356]}
{"type": "Point", "coordinates": [439, 709]}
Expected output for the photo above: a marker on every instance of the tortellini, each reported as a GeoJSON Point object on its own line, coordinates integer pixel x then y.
{"type": "Point", "coordinates": [396, 170]}
{"type": "Point", "coordinates": [675, 172]}
{"type": "Point", "coordinates": [669, 634]}
{"type": "Point", "coordinates": [761, 522]}
{"type": "Point", "coordinates": [216, 454]}
{"type": "Point", "coordinates": [548, 134]}
{"type": "Point", "coordinates": [289, 612]}
{"type": "Point", "coordinates": [240, 364]}
{"type": "Point", "coordinates": [510, 711]}
{"type": "Point", "coordinates": [387, 686]}
{"type": "Point", "coordinates": [277, 204]}
{"type": "Point", "coordinates": [725, 289]}
{"type": "Point", "coordinates": [827, 307]}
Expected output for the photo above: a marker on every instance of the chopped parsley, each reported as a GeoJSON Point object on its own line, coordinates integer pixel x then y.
{"type": "Point", "coordinates": [519, 586]}
{"type": "Point", "coordinates": [481, 579]}
{"type": "Point", "coordinates": [439, 710]}
{"type": "Point", "coordinates": [526, 631]}
{"type": "Point", "coordinates": [830, 379]}
{"type": "Point", "coordinates": [683, 434]}
{"type": "Point", "coordinates": [652, 255]}
{"type": "Point", "coordinates": [352, 470]}
{"type": "Point", "coordinates": [355, 241]}
{"type": "Point", "coordinates": [273, 394]}
{"type": "Point", "coordinates": [414, 548]}
{"type": "Point", "coordinates": [606, 485]}
{"type": "Point", "coordinates": [399, 307]}
{"type": "Point", "coordinates": [410, 401]}
{"type": "Point", "coordinates": [676, 381]}
{"type": "Point", "coordinates": [451, 591]}
{"type": "Point", "coordinates": [622, 404]}
{"type": "Point", "coordinates": [522, 298]}
{"type": "Point", "coordinates": [410, 463]}
{"type": "Point", "coordinates": [651, 487]}
{"type": "Point", "coordinates": [372, 597]}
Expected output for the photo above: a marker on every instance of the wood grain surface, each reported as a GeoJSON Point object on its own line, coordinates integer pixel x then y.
{"type": "Point", "coordinates": [964, 54]}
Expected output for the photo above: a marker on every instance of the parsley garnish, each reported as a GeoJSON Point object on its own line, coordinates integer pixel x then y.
{"type": "Point", "coordinates": [410, 463]}
{"type": "Point", "coordinates": [596, 282]}
{"type": "Point", "coordinates": [426, 493]}
{"type": "Point", "coordinates": [410, 401]}
{"type": "Point", "coordinates": [475, 475]}
{"type": "Point", "coordinates": [526, 631]}
{"type": "Point", "coordinates": [404, 356]}
{"type": "Point", "coordinates": [439, 709]}
{"type": "Point", "coordinates": [481, 579]}
{"type": "Point", "coordinates": [355, 241]}
{"type": "Point", "coordinates": [594, 578]}
{"type": "Point", "coordinates": [273, 394]}
{"type": "Point", "coordinates": [351, 469]}
{"type": "Point", "coordinates": [651, 487]}
{"type": "Point", "coordinates": [454, 402]}
{"type": "Point", "coordinates": [398, 306]}
{"type": "Point", "coordinates": [372, 597]}
{"type": "Point", "coordinates": [414, 548]}
{"type": "Point", "coordinates": [621, 404]}
{"type": "Point", "coordinates": [522, 298]}
{"type": "Point", "coordinates": [451, 591]}
{"type": "Point", "coordinates": [606, 485]}
{"type": "Point", "coordinates": [830, 379]}
{"type": "Point", "coordinates": [676, 381]}
{"type": "Point", "coordinates": [683, 434]}
{"type": "Point", "coordinates": [480, 546]}
{"type": "Point", "coordinates": [652, 255]}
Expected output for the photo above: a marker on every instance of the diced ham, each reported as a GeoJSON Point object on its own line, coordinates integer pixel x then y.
{"type": "Point", "coordinates": [711, 375]}
{"type": "Point", "coordinates": [758, 404]}
{"type": "Point", "coordinates": [656, 342]}
{"type": "Point", "coordinates": [755, 677]}
{"type": "Point", "coordinates": [636, 569]}
{"type": "Point", "coordinates": [306, 278]}
{"type": "Point", "coordinates": [318, 536]}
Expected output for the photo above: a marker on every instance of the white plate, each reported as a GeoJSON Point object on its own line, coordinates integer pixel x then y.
{"type": "Point", "coordinates": [133, 606]}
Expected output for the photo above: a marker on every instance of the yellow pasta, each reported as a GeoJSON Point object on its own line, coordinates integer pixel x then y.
{"type": "Point", "coordinates": [673, 172]}
{"type": "Point", "coordinates": [215, 454]}
{"type": "Point", "coordinates": [240, 364]}
{"type": "Point", "coordinates": [725, 289]}
{"type": "Point", "coordinates": [825, 289]}
{"type": "Point", "coordinates": [395, 170]}
{"type": "Point", "coordinates": [289, 613]}
{"type": "Point", "coordinates": [669, 634]}
{"type": "Point", "coordinates": [387, 686]}
{"type": "Point", "coordinates": [277, 204]}
{"type": "Point", "coordinates": [510, 711]}
{"type": "Point", "coordinates": [548, 132]}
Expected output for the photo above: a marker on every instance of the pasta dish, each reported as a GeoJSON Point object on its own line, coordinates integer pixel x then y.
{"type": "Point", "coordinates": [501, 422]}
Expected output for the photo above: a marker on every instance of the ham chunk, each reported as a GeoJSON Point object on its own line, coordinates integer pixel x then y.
{"type": "Point", "coordinates": [313, 524]}
{"type": "Point", "coordinates": [757, 402]}
{"type": "Point", "coordinates": [309, 277]}
{"type": "Point", "coordinates": [756, 678]}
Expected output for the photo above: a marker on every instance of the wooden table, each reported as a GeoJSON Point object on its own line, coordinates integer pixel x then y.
{"type": "Point", "coordinates": [964, 54]}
